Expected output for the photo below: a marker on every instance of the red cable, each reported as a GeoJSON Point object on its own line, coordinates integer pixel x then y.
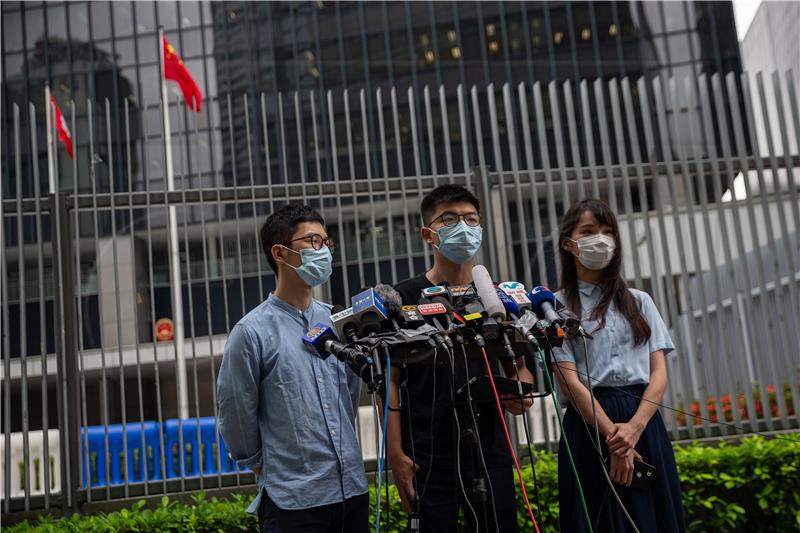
{"type": "Point", "coordinates": [508, 439]}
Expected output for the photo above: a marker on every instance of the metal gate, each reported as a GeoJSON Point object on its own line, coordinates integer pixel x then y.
{"type": "Point", "coordinates": [98, 251]}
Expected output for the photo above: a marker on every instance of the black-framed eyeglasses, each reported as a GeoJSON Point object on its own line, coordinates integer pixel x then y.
{"type": "Point", "coordinates": [449, 218]}
{"type": "Point", "coordinates": [316, 240]}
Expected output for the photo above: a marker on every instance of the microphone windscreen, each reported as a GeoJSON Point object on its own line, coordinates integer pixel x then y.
{"type": "Point", "coordinates": [486, 292]}
{"type": "Point", "coordinates": [444, 301]}
{"type": "Point", "coordinates": [540, 295]}
{"type": "Point", "coordinates": [337, 309]}
{"type": "Point", "coordinates": [509, 305]}
{"type": "Point", "coordinates": [391, 298]}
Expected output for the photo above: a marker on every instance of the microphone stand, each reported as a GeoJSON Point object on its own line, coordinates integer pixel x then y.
{"type": "Point", "coordinates": [481, 486]}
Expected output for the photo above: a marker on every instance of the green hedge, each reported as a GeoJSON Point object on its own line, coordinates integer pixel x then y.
{"type": "Point", "coordinates": [747, 486]}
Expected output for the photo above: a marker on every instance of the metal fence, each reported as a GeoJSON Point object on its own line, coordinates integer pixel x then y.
{"type": "Point", "coordinates": [703, 173]}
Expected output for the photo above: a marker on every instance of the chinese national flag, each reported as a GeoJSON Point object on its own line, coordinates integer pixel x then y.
{"type": "Point", "coordinates": [174, 69]}
{"type": "Point", "coordinates": [61, 127]}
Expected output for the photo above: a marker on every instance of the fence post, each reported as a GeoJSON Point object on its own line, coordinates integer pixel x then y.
{"type": "Point", "coordinates": [67, 384]}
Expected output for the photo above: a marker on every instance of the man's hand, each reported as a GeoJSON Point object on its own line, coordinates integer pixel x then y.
{"type": "Point", "coordinates": [513, 404]}
{"type": "Point", "coordinates": [624, 437]}
{"type": "Point", "coordinates": [621, 470]}
{"type": "Point", "coordinates": [257, 471]}
{"type": "Point", "coordinates": [403, 469]}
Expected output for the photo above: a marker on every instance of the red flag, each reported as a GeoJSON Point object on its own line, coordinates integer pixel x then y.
{"type": "Point", "coordinates": [174, 69]}
{"type": "Point", "coordinates": [61, 127]}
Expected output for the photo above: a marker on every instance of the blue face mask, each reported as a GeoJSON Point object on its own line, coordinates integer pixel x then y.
{"type": "Point", "coordinates": [316, 265]}
{"type": "Point", "coordinates": [460, 242]}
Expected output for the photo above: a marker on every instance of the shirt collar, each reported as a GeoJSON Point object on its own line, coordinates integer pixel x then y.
{"type": "Point", "coordinates": [586, 288]}
{"type": "Point", "coordinates": [289, 308]}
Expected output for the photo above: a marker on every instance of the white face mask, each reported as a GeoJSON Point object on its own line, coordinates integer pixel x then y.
{"type": "Point", "coordinates": [595, 251]}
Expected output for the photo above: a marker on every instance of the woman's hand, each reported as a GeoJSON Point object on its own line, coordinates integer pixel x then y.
{"type": "Point", "coordinates": [624, 437]}
{"type": "Point", "coordinates": [621, 470]}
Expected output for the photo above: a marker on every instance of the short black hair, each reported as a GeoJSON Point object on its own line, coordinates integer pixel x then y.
{"type": "Point", "coordinates": [281, 225]}
{"type": "Point", "coordinates": [446, 194]}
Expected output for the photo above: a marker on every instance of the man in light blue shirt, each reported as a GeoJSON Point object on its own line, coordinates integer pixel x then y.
{"type": "Point", "coordinates": [287, 414]}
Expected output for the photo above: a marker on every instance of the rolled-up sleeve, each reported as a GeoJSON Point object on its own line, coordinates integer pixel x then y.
{"type": "Point", "coordinates": [564, 353]}
{"type": "Point", "coordinates": [238, 397]}
{"type": "Point", "coordinates": [354, 387]}
{"type": "Point", "coordinates": [660, 339]}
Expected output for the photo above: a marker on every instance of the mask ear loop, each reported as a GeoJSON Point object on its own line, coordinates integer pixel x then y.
{"type": "Point", "coordinates": [578, 255]}
{"type": "Point", "coordinates": [295, 251]}
{"type": "Point", "coordinates": [437, 234]}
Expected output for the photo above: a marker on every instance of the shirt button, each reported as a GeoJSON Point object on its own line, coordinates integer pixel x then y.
{"type": "Point", "coordinates": [325, 405]}
{"type": "Point", "coordinates": [333, 432]}
{"type": "Point", "coordinates": [319, 379]}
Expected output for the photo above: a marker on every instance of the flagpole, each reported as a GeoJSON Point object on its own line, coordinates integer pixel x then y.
{"type": "Point", "coordinates": [174, 259]}
{"type": "Point", "coordinates": [51, 153]}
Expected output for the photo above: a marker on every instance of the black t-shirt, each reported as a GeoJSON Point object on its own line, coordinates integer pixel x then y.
{"type": "Point", "coordinates": [426, 393]}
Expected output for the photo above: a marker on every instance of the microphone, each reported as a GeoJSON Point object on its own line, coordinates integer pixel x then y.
{"type": "Point", "coordinates": [393, 303]}
{"type": "Point", "coordinates": [475, 315]}
{"type": "Point", "coordinates": [447, 317]}
{"type": "Point", "coordinates": [345, 323]}
{"type": "Point", "coordinates": [544, 304]}
{"type": "Point", "coordinates": [511, 307]}
{"type": "Point", "coordinates": [432, 312]}
{"type": "Point", "coordinates": [400, 316]}
{"type": "Point", "coordinates": [322, 341]}
{"type": "Point", "coordinates": [451, 292]}
{"type": "Point", "coordinates": [410, 317]}
{"type": "Point", "coordinates": [516, 292]}
{"type": "Point", "coordinates": [487, 293]}
{"type": "Point", "coordinates": [436, 290]}
{"type": "Point", "coordinates": [369, 310]}
{"type": "Point", "coordinates": [457, 291]}
{"type": "Point", "coordinates": [524, 321]}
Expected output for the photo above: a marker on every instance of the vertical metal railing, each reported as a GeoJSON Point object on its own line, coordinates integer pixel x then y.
{"type": "Point", "coordinates": [702, 172]}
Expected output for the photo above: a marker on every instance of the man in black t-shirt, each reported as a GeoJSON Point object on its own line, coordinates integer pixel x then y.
{"type": "Point", "coordinates": [423, 423]}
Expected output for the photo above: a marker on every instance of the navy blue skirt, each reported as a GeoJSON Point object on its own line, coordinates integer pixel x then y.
{"type": "Point", "coordinates": [656, 509]}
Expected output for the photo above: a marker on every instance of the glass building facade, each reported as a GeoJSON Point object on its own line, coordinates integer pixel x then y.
{"type": "Point", "coordinates": [100, 50]}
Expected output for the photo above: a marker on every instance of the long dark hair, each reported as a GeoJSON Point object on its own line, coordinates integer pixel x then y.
{"type": "Point", "coordinates": [613, 285]}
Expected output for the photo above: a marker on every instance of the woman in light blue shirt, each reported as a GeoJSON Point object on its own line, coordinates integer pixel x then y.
{"type": "Point", "coordinates": [625, 361]}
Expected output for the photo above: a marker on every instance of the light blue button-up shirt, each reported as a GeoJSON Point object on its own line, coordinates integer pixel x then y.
{"type": "Point", "coordinates": [613, 358]}
{"type": "Point", "coordinates": [288, 410]}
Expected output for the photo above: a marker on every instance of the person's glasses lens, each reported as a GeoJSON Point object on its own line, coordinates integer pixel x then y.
{"type": "Point", "coordinates": [473, 220]}
{"type": "Point", "coordinates": [449, 220]}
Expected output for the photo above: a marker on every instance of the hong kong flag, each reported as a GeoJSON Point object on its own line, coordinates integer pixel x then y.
{"type": "Point", "coordinates": [174, 69]}
{"type": "Point", "coordinates": [61, 127]}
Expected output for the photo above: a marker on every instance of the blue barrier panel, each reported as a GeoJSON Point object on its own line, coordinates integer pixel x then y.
{"type": "Point", "coordinates": [191, 448]}
{"type": "Point", "coordinates": [143, 464]}
{"type": "Point", "coordinates": [211, 462]}
{"type": "Point", "coordinates": [140, 462]}
{"type": "Point", "coordinates": [197, 456]}
{"type": "Point", "coordinates": [94, 472]}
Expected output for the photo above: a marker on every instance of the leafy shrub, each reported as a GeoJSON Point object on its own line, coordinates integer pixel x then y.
{"type": "Point", "coordinates": [725, 488]}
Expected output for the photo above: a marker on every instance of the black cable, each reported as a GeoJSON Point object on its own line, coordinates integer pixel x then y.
{"type": "Point", "coordinates": [339, 414]}
{"type": "Point", "coordinates": [478, 438]}
{"type": "Point", "coordinates": [459, 478]}
{"type": "Point", "coordinates": [595, 445]}
{"type": "Point", "coordinates": [458, 469]}
{"type": "Point", "coordinates": [430, 429]}
{"type": "Point", "coordinates": [404, 387]}
{"type": "Point", "coordinates": [530, 452]}
{"type": "Point", "coordinates": [598, 447]}
{"type": "Point", "coordinates": [681, 411]}
{"type": "Point", "coordinates": [386, 423]}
